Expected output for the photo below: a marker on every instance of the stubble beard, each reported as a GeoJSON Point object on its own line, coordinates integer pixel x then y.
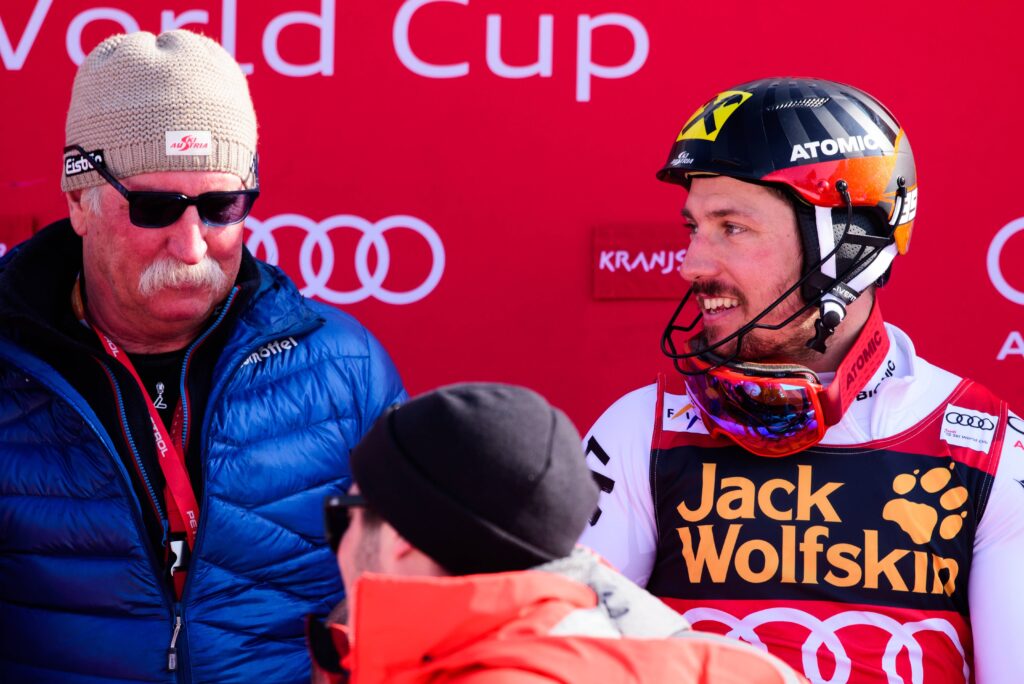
{"type": "Point", "coordinates": [366, 557]}
{"type": "Point", "coordinates": [785, 345]}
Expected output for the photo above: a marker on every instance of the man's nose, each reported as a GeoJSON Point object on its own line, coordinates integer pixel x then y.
{"type": "Point", "coordinates": [187, 239]}
{"type": "Point", "coordinates": [699, 260]}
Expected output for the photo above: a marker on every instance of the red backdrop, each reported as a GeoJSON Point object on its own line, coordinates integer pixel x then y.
{"type": "Point", "coordinates": [496, 158]}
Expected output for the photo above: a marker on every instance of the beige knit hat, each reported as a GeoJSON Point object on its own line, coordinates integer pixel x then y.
{"type": "Point", "coordinates": [173, 102]}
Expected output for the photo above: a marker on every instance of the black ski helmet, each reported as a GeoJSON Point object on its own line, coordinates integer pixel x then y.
{"type": "Point", "coordinates": [839, 153]}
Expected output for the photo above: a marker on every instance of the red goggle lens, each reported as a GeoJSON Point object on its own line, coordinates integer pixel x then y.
{"type": "Point", "coordinates": [766, 416]}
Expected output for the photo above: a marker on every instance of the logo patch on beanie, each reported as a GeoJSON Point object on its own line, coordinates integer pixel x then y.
{"type": "Point", "coordinates": [187, 143]}
{"type": "Point", "coordinates": [75, 164]}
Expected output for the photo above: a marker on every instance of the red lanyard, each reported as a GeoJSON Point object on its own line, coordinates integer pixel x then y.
{"type": "Point", "coordinates": [182, 500]}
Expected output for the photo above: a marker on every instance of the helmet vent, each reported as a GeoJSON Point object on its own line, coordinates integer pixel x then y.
{"type": "Point", "coordinates": [807, 103]}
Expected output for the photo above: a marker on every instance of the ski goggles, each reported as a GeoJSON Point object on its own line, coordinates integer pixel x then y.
{"type": "Point", "coordinates": [779, 409]}
{"type": "Point", "coordinates": [337, 517]}
{"type": "Point", "coordinates": [769, 410]}
{"type": "Point", "coordinates": [155, 209]}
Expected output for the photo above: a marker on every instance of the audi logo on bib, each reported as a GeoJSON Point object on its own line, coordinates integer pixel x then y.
{"type": "Point", "coordinates": [372, 234]}
{"type": "Point", "coordinates": [970, 421]}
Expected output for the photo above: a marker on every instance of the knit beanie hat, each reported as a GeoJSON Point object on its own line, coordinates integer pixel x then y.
{"type": "Point", "coordinates": [173, 102]}
{"type": "Point", "coordinates": [480, 477]}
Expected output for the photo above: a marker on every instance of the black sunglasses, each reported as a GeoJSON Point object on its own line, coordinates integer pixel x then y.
{"type": "Point", "coordinates": [154, 209]}
{"type": "Point", "coordinates": [337, 517]}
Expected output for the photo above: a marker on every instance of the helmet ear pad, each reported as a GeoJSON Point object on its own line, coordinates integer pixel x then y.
{"type": "Point", "coordinates": [865, 222]}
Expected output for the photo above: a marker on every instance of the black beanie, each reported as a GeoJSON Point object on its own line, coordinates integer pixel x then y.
{"type": "Point", "coordinates": [480, 477]}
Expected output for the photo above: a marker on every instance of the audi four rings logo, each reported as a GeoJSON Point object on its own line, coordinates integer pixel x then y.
{"type": "Point", "coordinates": [823, 634]}
{"type": "Point", "coordinates": [995, 250]}
{"type": "Point", "coordinates": [372, 235]}
{"type": "Point", "coordinates": [968, 420]}
{"type": "Point", "coordinates": [1016, 423]}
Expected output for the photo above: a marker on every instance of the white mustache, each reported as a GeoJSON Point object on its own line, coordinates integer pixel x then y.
{"type": "Point", "coordinates": [169, 272]}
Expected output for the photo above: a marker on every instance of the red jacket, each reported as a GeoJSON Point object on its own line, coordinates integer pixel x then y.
{"type": "Point", "coordinates": [525, 627]}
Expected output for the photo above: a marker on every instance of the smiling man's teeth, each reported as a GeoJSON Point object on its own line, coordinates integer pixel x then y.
{"type": "Point", "coordinates": [716, 303]}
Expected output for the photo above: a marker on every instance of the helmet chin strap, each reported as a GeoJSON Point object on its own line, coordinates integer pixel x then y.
{"type": "Point", "coordinates": [842, 293]}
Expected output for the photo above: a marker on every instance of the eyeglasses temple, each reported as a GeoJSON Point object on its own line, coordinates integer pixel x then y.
{"type": "Point", "coordinates": [99, 166]}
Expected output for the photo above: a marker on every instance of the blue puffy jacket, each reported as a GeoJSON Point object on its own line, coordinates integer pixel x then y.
{"type": "Point", "coordinates": [81, 595]}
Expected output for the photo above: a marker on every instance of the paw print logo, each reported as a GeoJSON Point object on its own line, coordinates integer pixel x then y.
{"type": "Point", "coordinates": [918, 520]}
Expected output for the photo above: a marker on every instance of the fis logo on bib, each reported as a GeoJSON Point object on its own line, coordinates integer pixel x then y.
{"type": "Point", "coordinates": [682, 416]}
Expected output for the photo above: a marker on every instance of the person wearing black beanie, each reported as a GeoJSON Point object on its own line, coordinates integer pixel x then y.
{"type": "Point", "coordinates": [457, 547]}
{"type": "Point", "coordinates": [496, 466]}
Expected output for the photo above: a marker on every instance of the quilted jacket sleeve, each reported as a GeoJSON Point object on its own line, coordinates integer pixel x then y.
{"type": "Point", "coordinates": [383, 384]}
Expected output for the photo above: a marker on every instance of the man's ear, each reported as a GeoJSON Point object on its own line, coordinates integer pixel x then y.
{"type": "Point", "coordinates": [77, 211]}
{"type": "Point", "coordinates": [389, 546]}
{"type": "Point", "coordinates": [401, 548]}
{"type": "Point", "coordinates": [409, 560]}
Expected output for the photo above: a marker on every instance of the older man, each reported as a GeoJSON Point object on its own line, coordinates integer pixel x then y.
{"type": "Point", "coordinates": [172, 411]}
{"type": "Point", "coordinates": [808, 482]}
{"type": "Point", "coordinates": [456, 543]}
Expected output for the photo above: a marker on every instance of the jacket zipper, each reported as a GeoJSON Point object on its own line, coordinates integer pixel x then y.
{"type": "Point", "coordinates": [182, 391]}
{"type": "Point", "coordinates": [172, 650]}
{"type": "Point", "coordinates": [131, 444]}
